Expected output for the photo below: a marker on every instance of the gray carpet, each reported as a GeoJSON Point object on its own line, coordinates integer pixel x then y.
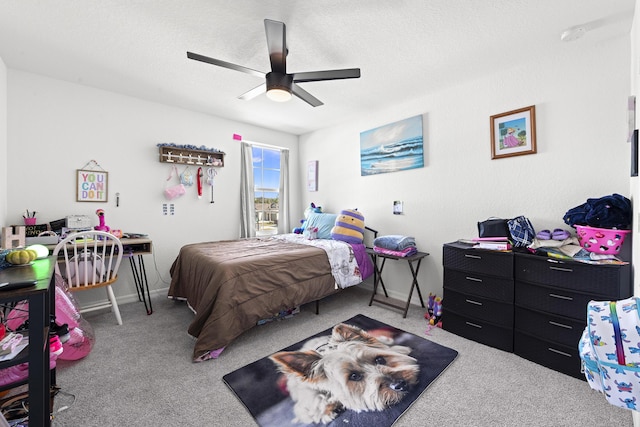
{"type": "Point", "coordinates": [141, 374]}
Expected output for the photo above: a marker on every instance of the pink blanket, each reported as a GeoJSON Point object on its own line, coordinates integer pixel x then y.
{"type": "Point", "coordinates": [411, 250]}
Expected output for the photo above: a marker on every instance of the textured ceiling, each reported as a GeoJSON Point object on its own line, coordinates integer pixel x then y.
{"type": "Point", "coordinates": [404, 48]}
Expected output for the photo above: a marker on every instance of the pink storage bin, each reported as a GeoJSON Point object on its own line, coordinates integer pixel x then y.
{"type": "Point", "coordinates": [601, 240]}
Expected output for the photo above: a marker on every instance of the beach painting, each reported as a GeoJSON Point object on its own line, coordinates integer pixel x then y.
{"type": "Point", "coordinates": [394, 147]}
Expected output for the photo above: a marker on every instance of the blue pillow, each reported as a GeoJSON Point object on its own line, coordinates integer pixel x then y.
{"type": "Point", "coordinates": [323, 221]}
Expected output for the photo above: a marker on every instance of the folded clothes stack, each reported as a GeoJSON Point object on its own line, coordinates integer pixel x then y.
{"type": "Point", "coordinates": [396, 245]}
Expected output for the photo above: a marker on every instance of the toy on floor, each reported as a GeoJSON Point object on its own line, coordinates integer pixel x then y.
{"type": "Point", "coordinates": [312, 208]}
{"type": "Point", "coordinates": [102, 226]}
{"type": "Point", "coordinates": [434, 312]}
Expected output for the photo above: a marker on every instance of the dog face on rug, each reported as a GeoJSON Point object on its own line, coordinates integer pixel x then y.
{"type": "Point", "coordinates": [351, 369]}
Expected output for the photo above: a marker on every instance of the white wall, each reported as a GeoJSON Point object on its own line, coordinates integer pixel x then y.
{"type": "Point", "coordinates": [3, 142]}
{"type": "Point", "coordinates": [580, 98]}
{"type": "Point", "coordinates": [634, 71]}
{"type": "Point", "coordinates": [57, 127]}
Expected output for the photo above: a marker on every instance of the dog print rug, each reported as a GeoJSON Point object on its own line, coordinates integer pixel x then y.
{"type": "Point", "coordinates": [360, 373]}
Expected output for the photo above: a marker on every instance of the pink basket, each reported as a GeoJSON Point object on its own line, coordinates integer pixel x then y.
{"type": "Point", "coordinates": [601, 240]}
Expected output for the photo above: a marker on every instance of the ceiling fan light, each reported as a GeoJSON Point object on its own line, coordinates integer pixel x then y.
{"type": "Point", "coordinates": [278, 94]}
{"type": "Point", "coordinates": [279, 86]}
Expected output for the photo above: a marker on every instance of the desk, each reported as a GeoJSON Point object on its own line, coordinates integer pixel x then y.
{"type": "Point", "coordinates": [41, 308]}
{"type": "Point", "coordinates": [416, 258]}
{"type": "Point", "coordinates": [136, 248]}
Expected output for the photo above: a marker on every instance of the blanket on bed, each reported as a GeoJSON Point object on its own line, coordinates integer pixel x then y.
{"type": "Point", "coordinates": [350, 264]}
{"type": "Point", "coordinates": [231, 285]}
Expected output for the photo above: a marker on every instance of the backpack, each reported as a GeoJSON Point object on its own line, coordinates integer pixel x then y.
{"type": "Point", "coordinates": [610, 351]}
{"type": "Point", "coordinates": [521, 230]}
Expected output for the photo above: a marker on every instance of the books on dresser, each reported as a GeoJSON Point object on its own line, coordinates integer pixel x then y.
{"type": "Point", "coordinates": [490, 243]}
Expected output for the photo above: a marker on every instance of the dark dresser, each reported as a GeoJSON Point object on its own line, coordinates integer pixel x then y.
{"type": "Point", "coordinates": [531, 305]}
{"type": "Point", "coordinates": [479, 294]}
{"type": "Point", "coordinates": [551, 298]}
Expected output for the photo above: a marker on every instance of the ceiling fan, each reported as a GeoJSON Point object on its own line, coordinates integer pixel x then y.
{"type": "Point", "coordinates": [280, 85]}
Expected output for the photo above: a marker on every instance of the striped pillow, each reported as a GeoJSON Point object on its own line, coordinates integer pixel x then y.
{"type": "Point", "coordinates": [349, 227]}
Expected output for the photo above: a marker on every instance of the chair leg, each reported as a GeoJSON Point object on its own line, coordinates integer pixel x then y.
{"type": "Point", "coordinates": [114, 304]}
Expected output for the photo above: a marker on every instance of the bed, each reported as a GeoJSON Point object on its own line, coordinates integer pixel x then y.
{"type": "Point", "coordinates": [232, 285]}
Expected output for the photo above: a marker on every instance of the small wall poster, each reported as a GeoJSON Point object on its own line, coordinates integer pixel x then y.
{"type": "Point", "coordinates": [312, 175]}
{"type": "Point", "coordinates": [91, 186]}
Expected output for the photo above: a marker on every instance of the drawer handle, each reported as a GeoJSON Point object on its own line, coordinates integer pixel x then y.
{"type": "Point", "coordinates": [551, 322]}
{"type": "Point", "coordinates": [473, 256]}
{"type": "Point", "coordinates": [561, 297]}
{"type": "Point", "coordinates": [473, 302]}
{"type": "Point", "coordinates": [473, 279]}
{"type": "Point", "coordinates": [475, 325]}
{"type": "Point", "coordinates": [562, 353]}
{"type": "Point", "coordinates": [568, 270]}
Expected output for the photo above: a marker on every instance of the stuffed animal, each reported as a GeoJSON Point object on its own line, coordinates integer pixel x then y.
{"type": "Point", "coordinates": [312, 208]}
{"type": "Point", "coordinates": [349, 227]}
{"type": "Point", "coordinates": [102, 226]}
{"type": "Point", "coordinates": [434, 312]}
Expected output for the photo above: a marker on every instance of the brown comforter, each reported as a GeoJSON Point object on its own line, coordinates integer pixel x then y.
{"type": "Point", "coordinates": [233, 284]}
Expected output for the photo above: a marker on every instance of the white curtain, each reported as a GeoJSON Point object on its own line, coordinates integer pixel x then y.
{"type": "Point", "coordinates": [247, 195]}
{"type": "Point", "coordinates": [283, 210]}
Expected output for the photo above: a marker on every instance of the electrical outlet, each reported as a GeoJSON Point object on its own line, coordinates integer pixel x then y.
{"type": "Point", "coordinates": [398, 207]}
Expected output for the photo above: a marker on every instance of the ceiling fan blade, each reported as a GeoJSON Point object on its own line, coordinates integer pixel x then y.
{"type": "Point", "coordinates": [277, 44]}
{"type": "Point", "coordinates": [225, 64]}
{"type": "Point", "coordinates": [258, 90]}
{"type": "Point", "coordinates": [305, 96]}
{"type": "Point", "coordinates": [314, 76]}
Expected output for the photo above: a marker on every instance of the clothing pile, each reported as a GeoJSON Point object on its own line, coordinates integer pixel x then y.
{"type": "Point", "coordinates": [396, 245]}
{"type": "Point", "coordinates": [612, 211]}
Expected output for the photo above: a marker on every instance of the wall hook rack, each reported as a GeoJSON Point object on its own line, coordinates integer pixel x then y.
{"type": "Point", "coordinates": [189, 156]}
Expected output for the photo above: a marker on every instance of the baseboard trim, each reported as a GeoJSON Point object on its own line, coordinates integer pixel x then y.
{"type": "Point", "coordinates": [415, 299]}
{"type": "Point", "coordinates": [122, 299]}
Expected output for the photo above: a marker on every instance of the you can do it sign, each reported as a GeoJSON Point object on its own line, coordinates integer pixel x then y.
{"type": "Point", "coordinates": [91, 186]}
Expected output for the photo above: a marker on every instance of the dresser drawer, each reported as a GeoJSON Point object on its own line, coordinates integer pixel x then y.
{"type": "Point", "coordinates": [464, 258]}
{"type": "Point", "coordinates": [473, 307]}
{"type": "Point", "coordinates": [561, 358]}
{"type": "Point", "coordinates": [549, 327]}
{"type": "Point", "coordinates": [610, 282]}
{"type": "Point", "coordinates": [497, 288]}
{"type": "Point", "coordinates": [479, 331]}
{"type": "Point", "coordinates": [562, 302]}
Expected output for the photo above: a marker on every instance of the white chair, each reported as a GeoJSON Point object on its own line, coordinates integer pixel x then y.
{"type": "Point", "coordinates": [91, 259]}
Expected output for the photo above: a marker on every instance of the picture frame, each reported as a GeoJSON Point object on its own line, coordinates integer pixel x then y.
{"type": "Point", "coordinates": [312, 175]}
{"type": "Point", "coordinates": [513, 133]}
{"type": "Point", "coordinates": [393, 147]}
{"type": "Point", "coordinates": [92, 186]}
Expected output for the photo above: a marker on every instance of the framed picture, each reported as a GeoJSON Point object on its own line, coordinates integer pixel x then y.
{"type": "Point", "coordinates": [312, 175]}
{"type": "Point", "coordinates": [91, 186]}
{"type": "Point", "coordinates": [393, 147]}
{"type": "Point", "coordinates": [513, 133]}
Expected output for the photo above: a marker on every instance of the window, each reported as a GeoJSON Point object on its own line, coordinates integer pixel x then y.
{"type": "Point", "coordinates": [266, 179]}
